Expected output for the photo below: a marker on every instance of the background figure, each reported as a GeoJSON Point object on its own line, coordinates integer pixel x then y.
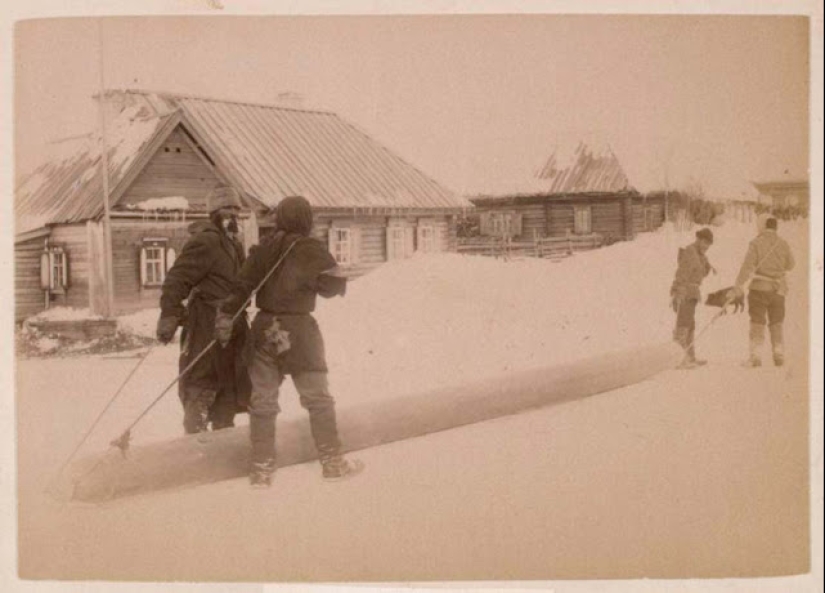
{"type": "Point", "coordinates": [767, 261]}
{"type": "Point", "coordinates": [693, 267]}
{"type": "Point", "coordinates": [217, 387]}
{"type": "Point", "coordinates": [286, 338]}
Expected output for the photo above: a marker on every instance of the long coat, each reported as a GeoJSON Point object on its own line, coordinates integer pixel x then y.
{"type": "Point", "coordinates": [203, 275]}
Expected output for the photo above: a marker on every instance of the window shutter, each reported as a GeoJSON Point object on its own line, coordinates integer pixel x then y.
{"type": "Point", "coordinates": [355, 244]}
{"type": "Point", "coordinates": [45, 271]}
{"type": "Point", "coordinates": [170, 258]}
{"type": "Point", "coordinates": [143, 266]}
{"type": "Point", "coordinates": [419, 237]}
{"type": "Point", "coordinates": [409, 241]}
{"type": "Point", "coordinates": [65, 270]}
{"type": "Point", "coordinates": [391, 254]}
{"type": "Point", "coordinates": [331, 239]}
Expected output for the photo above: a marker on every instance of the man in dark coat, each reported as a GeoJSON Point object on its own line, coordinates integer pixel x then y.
{"type": "Point", "coordinates": [286, 339]}
{"type": "Point", "coordinates": [692, 268]}
{"type": "Point", "coordinates": [218, 386]}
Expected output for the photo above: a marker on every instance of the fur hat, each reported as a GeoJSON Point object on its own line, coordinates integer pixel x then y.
{"type": "Point", "coordinates": [222, 196]}
{"type": "Point", "coordinates": [294, 215]}
{"type": "Point", "coordinates": [705, 234]}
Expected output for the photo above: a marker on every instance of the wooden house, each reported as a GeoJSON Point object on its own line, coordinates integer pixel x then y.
{"type": "Point", "coordinates": [165, 152]}
{"type": "Point", "coordinates": [586, 194]}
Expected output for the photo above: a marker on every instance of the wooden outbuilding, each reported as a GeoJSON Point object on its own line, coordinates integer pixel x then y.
{"type": "Point", "coordinates": [165, 152]}
{"type": "Point", "coordinates": [583, 195]}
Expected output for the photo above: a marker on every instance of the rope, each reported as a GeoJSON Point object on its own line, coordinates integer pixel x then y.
{"type": "Point", "coordinates": [729, 300]}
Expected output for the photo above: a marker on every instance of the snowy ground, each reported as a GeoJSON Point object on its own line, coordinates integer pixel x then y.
{"type": "Point", "coordinates": [690, 474]}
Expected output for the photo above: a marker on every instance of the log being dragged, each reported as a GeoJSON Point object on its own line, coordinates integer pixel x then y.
{"type": "Point", "coordinates": [221, 455]}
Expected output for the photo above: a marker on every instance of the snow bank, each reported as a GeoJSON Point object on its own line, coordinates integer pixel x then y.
{"type": "Point", "coordinates": [141, 323]}
{"type": "Point", "coordinates": [64, 314]}
{"type": "Point", "coordinates": [437, 320]}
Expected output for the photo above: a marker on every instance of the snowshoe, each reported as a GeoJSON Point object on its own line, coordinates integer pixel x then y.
{"type": "Point", "coordinates": [338, 468]}
{"type": "Point", "coordinates": [778, 360]}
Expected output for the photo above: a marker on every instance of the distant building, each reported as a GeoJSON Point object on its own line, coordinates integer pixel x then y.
{"type": "Point", "coordinates": [166, 152]}
{"type": "Point", "coordinates": [580, 192]}
{"type": "Point", "coordinates": [785, 193]}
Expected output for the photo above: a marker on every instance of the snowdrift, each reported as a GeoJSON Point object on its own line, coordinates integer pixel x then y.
{"type": "Point", "coordinates": [221, 455]}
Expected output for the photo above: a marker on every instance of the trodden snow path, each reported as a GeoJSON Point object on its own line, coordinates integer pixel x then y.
{"type": "Point", "coordinates": [698, 473]}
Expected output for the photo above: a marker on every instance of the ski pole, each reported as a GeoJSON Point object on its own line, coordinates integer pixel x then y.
{"type": "Point", "coordinates": [105, 409]}
{"type": "Point", "coordinates": [122, 442]}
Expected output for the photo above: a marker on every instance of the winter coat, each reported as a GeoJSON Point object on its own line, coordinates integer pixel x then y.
{"type": "Point", "coordinates": [768, 259]}
{"type": "Point", "coordinates": [288, 297]}
{"type": "Point", "coordinates": [692, 268]}
{"type": "Point", "coordinates": [203, 275]}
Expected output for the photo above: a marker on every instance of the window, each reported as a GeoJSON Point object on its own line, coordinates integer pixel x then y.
{"type": "Point", "coordinates": [397, 241]}
{"type": "Point", "coordinates": [426, 238]}
{"type": "Point", "coordinates": [501, 224]}
{"type": "Point", "coordinates": [581, 220]}
{"type": "Point", "coordinates": [341, 245]}
{"type": "Point", "coordinates": [54, 269]}
{"type": "Point", "coordinates": [154, 265]}
{"type": "Point", "coordinates": [156, 258]}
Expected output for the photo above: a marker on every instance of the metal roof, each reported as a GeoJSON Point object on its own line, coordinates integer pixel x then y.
{"type": "Point", "coordinates": [68, 186]}
{"type": "Point", "coordinates": [576, 170]}
{"type": "Point", "coordinates": [269, 152]}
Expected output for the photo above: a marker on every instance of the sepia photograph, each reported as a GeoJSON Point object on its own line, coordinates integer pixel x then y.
{"type": "Point", "coordinates": [430, 297]}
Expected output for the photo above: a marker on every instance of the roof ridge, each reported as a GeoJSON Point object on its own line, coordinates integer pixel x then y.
{"type": "Point", "coordinates": [174, 95]}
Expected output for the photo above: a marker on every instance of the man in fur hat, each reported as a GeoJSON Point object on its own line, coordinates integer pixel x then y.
{"type": "Point", "coordinates": [217, 387]}
{"type": "Point", "coordinates": [767, 261]}
{"type": "Point", "coordinates": [286, 339]}
{"type": "Point", "coordinates": [693, 267]}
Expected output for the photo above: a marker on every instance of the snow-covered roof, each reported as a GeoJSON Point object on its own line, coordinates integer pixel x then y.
{"type": "Point", "coordinates": [68, 187]}
{"type": "Point", "coordinates": [268, 152]}
{"type": "Point", "coordinates": [571, 168]}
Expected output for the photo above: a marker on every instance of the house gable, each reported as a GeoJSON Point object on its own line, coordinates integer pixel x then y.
{"type": "Point", "coordinates": [175, 169]}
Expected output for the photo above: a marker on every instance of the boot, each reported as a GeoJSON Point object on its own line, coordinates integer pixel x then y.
{"type": "Point", "coordinates": [681, 337]}
{"type": "Point", "coordinates": [260, 473]}
{"type": "Point", "coordinates": [777, 344]}
{"type": "Point", "coordinates": [757, 338]}
{"type": "Point", "coordinates": [336, 468]}
{"type": "Point", "coordinates": [262, 437]}
{"type": "Point", "coordinates": [196, 409]}
{"type": "Point", "coordinates": [691, 350]}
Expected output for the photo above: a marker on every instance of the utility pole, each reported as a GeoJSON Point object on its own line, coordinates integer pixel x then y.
{"type": "Point", "coordinates": [104, 175]}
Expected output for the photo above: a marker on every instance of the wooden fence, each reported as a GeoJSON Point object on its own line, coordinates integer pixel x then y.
{"type": "Point", "coordinates": [554, 248]}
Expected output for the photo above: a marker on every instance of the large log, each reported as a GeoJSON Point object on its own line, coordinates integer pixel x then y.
{"type": "Point", "coordinates": [222, 455]}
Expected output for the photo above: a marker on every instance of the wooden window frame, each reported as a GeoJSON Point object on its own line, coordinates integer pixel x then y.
{"type": "Point", "coordinates": [343, 257]}
{"type": "Point", "coordinates": [426, 238]}
{"type": "Point", "coordinates": [577, 210]}
{"type": "Point", "coordinates": [58, 270]}
{"type": "Point", "coordinates": [164, 262]}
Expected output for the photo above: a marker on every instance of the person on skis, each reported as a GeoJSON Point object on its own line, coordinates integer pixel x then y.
{"type": "Point", "coordinates": [218, 386]}
{"type": "Point", "coordinates": [286, 339]}
{"type": "Point", "coordinates": [693, 267]}
{"type": "Point", "coordinates": [766, 262]}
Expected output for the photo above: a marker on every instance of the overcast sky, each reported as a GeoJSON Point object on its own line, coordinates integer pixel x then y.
{"type": "Point", "coordinates": [470, 100]}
